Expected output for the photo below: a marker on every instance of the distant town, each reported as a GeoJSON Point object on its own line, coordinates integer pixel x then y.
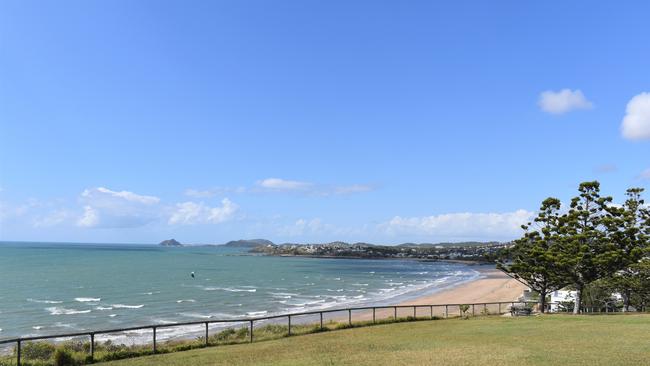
{"type": "Point", "coordinates": [461, 251]}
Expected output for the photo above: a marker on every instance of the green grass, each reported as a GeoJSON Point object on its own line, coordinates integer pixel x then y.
{"type": "Point", "coordinates": [545, 340]}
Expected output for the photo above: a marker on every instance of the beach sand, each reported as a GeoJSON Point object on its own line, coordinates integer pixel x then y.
{"type": "Point", "coordinates": [491, 287]}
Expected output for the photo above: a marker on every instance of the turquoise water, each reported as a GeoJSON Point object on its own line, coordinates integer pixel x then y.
{"type": "Point", "coordinates": [58, 288]}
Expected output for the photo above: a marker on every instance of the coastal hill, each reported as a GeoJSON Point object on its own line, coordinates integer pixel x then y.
{"type": "Point", "coordinates": [170, 243]}
{"type": "Point", "coordinates": [472, 251]}
{"type": "Point", "coordinates": [250, 243]}
{"type": "Point", "coordinates": [449, 244]}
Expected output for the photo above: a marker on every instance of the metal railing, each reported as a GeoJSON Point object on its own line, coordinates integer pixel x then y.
{"type": "Point", "coordinates": [251, 321]}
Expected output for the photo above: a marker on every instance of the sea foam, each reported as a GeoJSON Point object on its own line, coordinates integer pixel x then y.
{"type": "Point", "coordinates": [87, 299]}
{"type": "Point", "coordinates": [45, 301]}
{"type": "Point", "coordinates": [122, 306]}
{"type": "Point", "coordinates": [63, 311]}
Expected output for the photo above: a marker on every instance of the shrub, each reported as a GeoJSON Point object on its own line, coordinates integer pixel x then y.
{"type": "Point", "coordinates": [63, 358]}
{"type": "Point", "coordinates": [463, 309]}
{"type": "Point", "coordinates": [242, 333]}
{"type": "Point", "coordinates": [37, 350]}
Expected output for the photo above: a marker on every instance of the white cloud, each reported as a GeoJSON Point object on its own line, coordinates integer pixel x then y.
{"type": "Point", "coordinates": [223, 213]}
{"type": "Point", "coordinates": [283, 184]}
{"type": "Point", "coordinates": [186, 213]}
{"type": "Point", "coordinates": [636, 123]}
{"type": "Point", "coordinates": [645, 175]}
{"type": "Point", "coordinates": [460, 225]}
{"type": "Point", "coordinates": [189, 213]}
{"type": "Point", "coordinates": [197, 193]}
{"type": "Point", "coordinates": [117, 209]}
{"type": "Point", "coordinates": [125, 195]}
{"type": "Point", "coordinates": [90, 217]}
{"type": "Point", "coordinates": [563, 101]}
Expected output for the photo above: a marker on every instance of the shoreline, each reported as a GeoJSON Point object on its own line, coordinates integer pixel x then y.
{"type": "Point", "coordinates": [492, 285]}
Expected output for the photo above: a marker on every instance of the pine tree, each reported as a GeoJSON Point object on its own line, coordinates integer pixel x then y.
{"type": "Point", "coordinates": [532, 259]}
{"type": "Point", "coordinates": [587, 251]}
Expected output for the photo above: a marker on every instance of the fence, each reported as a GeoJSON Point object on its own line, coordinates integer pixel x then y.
{"type": "Point", "coordinates": [482, 308]}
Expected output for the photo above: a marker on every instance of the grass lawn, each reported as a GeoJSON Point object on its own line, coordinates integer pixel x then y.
{"type": "Point", "coordinates": [545, 340]}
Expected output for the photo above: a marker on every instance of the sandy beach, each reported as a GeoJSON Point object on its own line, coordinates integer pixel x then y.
{"type": "Point", "coordinates": [492, 286]}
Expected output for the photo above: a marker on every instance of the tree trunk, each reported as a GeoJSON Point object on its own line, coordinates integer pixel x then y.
{"type": "Point", "coordinates": [542, 301]}
{"type": "Point", "coordinates": [578, 300]}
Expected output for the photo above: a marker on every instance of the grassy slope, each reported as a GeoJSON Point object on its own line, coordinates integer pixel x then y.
{"type": "Point", "coordinates": [548, 340]}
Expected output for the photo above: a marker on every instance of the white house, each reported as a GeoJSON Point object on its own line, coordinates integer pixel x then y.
{"type": "Point", "coordinates": [561, 296]}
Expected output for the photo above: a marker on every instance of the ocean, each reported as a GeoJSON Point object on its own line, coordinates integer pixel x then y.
{"type": "Point", "coordinates": [48, 288]}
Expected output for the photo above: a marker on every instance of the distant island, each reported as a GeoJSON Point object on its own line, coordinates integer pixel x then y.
{"type": "Point", "coordinates": [170, 243]}
{"type": "Point", "coordinates": [251, 243]}
{"type": "Point", "coordinates": [461, 251]}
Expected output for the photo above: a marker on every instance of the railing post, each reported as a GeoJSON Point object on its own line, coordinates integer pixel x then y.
{"type": "Point", "coordinates": [154, 340]}
{"type": "Point", "coordinates": [321, 320]}
{"type": "Point", "coordinates": [395, 311]}
{"type": "Point", "coordinates": [206, 334]}
{"type": "Point", "coordinates": [350, 317]}
{"type": "Point", "coordinates": [446, 311]}
{"type": "Point", "coordinates": [373, 315]}
{"type": "Point", "coordinates": [414, 313]}
{"type": "Point", "coordinates": [472, 309]}
{"type": "Point", "coordinates": [431, 311]}
{"type": "Point", "coordinates": [251, 331]}
{"type": "Point", "coordinates": [289, 317]}
{"type": "Point", "coordinates": [485, 312]}
{"type": "Point", "coordinates": [18, 352]}
{"type": "Point", "coordinates": [499, 308]}
{"type": "Point", "coordinates": [92, 346]}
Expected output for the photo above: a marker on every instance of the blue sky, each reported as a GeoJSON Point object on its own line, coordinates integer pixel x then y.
{"type": "Point", "coordinates": [386, 122]}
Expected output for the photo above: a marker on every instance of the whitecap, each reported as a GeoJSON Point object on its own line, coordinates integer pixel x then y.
{"type": "Point", "coordinates": [122, 306]}
{"type": "Point", "coordinates": [37, 327]}
{"type": "Point", "coordinates": [256, 313]}
{"type": "Point", "coordinates": [63, 311]}
{"type": "Point", "coordinates": [196, 315]}
{"type": "Point", "coordinates": [113, 315]}
{"type": "Point", "coordinates": [87, 299]}
{"type": "Point", "coordinates": [230, 289]}
{"type": "Point", "coordinates": [45, 301]}
{"type": "Point", "coordinates": [188, 300]}
{"type": "Point", "coordinates": [104, 308]}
